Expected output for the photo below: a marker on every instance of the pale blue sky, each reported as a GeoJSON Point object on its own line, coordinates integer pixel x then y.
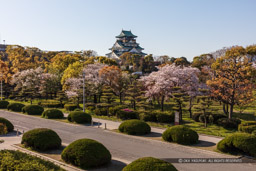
{"type": "Point", "coordinates": [164, 27]}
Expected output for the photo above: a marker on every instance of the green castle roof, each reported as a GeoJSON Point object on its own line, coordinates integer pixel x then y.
{"type": "Point", "coordinates": [125, 33]}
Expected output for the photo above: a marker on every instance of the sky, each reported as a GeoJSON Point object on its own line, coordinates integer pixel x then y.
{"type": "Point", "coordinates": [164, 27]}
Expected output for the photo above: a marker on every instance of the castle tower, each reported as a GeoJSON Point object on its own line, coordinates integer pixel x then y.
{"type": "Point", "coordinates": [126, 42]}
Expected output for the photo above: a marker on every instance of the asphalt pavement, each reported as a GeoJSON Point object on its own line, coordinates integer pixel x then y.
{"type": "Point", "coordinates": [126, 148]}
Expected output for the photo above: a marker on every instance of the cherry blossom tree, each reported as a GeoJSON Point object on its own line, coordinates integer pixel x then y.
{"type": "Point", "coordinates": [94, 83]}
{"type": "Point", "coordinates": [160, 84]}
{"type": "Point", "coordinates": [34, 82]}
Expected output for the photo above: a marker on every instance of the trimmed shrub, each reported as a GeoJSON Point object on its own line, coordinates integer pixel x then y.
{"type": "Point", "coordinates": [50, 104]}
{"type": "Point", "coordinates": [33, 109]}
{"type": "Point", "coordinates": [41, 139]}
{"type": "Point", "coordinates": [149, 164]}
{"type": "Point", "coordinates": [164, 117]}
{"type": "Point", "coordinates": [238, 143]}
{"type": "Point", "coordinates": [16, 160]}
{"type": "Point", "coordinates": [16, 107]}
{"type": "Point", "coordinates": [125, 114]}
{"type": "Point", "coordinates": [70, 107]}
{"type": "Point", "coordinates": [8, 124]}
{"type": "Point", "coordinates": [216, 117]}
{"type": "Point", "coordinates": [3, 104]}
{"type": "Point", "coordinates": [147, 116]}
{"type": "Point", "coordinates": [52, 114]}
{"type": "Point", "coordinates": [78, 109]}
{"type": "Point", "coordinates": [101, 111]}
{"type": "Point", "coordinates": [201, 118]}
{"type": "Point", "coordinates": [3, 129]}
{"type": "Point", "coordinates": [79, 117]}
{"type": "Point", "coordinates": [115, 109]}
{"type": "Point", "coordinates": [229, 123]}
{"type": "Point", "coordinates": [86, 153]}
{"type": "Point", "coordinates": [196, 116]}
{"type": "Point", "coordinates": [134, 127]}
{"type": "Point", "coordinates": [248, 126]}
{"type": "Point", "coordinates": [90, 106]}
{"type": "Point", "coordinates": [180, 134]}
{"type": "Point", "coordinates": [254, 132]}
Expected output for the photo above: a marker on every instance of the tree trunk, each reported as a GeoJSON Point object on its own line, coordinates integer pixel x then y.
{"type": "Point", "coordinates": [190, 107]}
{"type": "Point", "coordinates": [224, 109]}
{"type": "Point", "coordinates": [95, 98]}
{"type": "Point", "coordinates": [162, 104]}
{"type": "Point", "coordinates": [180, 112]}
{"type": "Point", "coordinates": [120, 98]}
{"type": "Point", "coordinates": [231, 111]}
{"type": "Point", "coordinates": [134, 105]}
{"type": "Point", "coordinates": [205, 120]}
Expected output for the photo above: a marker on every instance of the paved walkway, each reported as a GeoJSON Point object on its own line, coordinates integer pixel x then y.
{"type": "Point", "coordinates": [113, 125]}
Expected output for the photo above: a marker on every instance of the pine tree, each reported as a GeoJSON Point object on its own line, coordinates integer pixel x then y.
{"type": "Point", "coordinates": [179, 97]}
{"type": "Point", "coordinates": [135, 95]}
{"type": "Point", "coordinates": [204, 105]}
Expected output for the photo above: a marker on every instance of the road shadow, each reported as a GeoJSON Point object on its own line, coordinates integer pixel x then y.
{"type": "Point", "coordinates": [202, 143]}
{"type": "Point", "coordinates": [152, 135]}
{"type": "Point", "coordinates": [12, 134]}
{"type": "Point", "coordinates": [115, 165]}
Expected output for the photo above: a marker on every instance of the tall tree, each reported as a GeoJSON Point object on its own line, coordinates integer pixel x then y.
{"type": "Point", "coordinates": [233, 78]}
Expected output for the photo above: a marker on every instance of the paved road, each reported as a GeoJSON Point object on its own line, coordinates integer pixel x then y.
{"type": "Point", "coordinates": [125, 147]}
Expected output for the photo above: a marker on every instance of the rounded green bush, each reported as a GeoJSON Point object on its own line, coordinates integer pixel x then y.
{"type": "Point", "coordinates": [180, 134]}
{"type": "Point", "coordinates": [149, 164]}
{"type": "Point", "coordinates": [41, 139]}
{"type": "Point", "coordinates": [126, 114]}
{"type": "Point", "coordinates": [134, 127]}
{"type": "Point", "coordinates": [229, 123]}
{"type": "Point", "coordinates": [79, 117]}
{"type": "Point", "coordinates": [52, 114]}
{"type": "Point", "coordinates": [16, 107]}
{"type": "Point", "coordinates": [33, 109]}
{"type": "Point", "coordinates": [238, 143]}
{"type": "Point", "coordinates": [3, 104]}
{"type": "Point", "coordinates": [16, 160]}
{"type": "Point", "coordinates": [7, 123]}
{"type": "Point", "coordinates": [71, 107]}
{"type": "Point", "coordinates": [248, 126]}
{"type": "Point", "coordinates": [86, 153]}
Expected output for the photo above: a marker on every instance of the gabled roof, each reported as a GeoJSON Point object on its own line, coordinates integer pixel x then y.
{"type": "Point", "coordinates": [125, 33]}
